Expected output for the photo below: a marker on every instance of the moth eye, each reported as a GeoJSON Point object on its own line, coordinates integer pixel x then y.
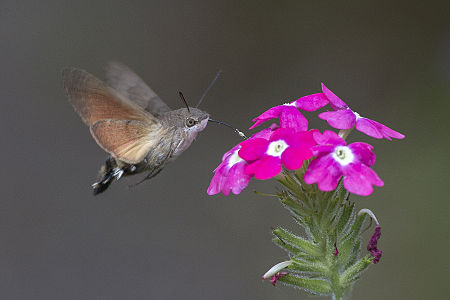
{"type": "Point", "coordinates": [190, 122]}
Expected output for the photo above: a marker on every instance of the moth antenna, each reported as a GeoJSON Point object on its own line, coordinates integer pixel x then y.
{"type": "Point", "coordinates": [208, 88]}
{"type": "Point", "coordinates": [184, 100]}
{"type": "Point", "coordinates": [241, 134]}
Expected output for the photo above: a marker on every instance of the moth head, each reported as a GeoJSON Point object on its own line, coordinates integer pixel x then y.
{"type": "Point", "coordinates": [193, 119]}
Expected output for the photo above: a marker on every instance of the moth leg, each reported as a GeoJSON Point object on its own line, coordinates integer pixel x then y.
{"type": "Point", "coordinates": [109, 171]}
{"type": "Point", "coordinates": [117, 173]}
{"type": "Point", "coordinates": [101, 185]}
{"type": "Point", "coordinates": [150, 175]}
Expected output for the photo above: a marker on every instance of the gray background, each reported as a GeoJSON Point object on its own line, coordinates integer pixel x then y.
{"type": "Point", "coordinates": [166, 239]}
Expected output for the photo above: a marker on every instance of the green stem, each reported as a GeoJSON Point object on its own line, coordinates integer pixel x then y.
{"type": "Point", "coordinates": [325, 261]}
{"type": "Point", "coordinates": [338, 291]}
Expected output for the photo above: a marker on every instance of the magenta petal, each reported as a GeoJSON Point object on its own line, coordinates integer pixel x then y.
{"type": "Point", "coordinates": [226, 179]}
{"type": "Point", "coordinates": [363, 153]}
{"type": "Point", "coordinates": [328, 137]}
{"type": "Point", "coordinates": [359, 178]}
{"type": "Point", "coordinates": [237, 179]}
{"type": "Point", "coordinates": [376, 130]}
{"type": "Point", "coordinates": [265, 168]}
{"type": "Point", "coordinates": [304, 139]}
{"type": "Point", "coordinates": [230, 152]}
{"type": "Point", "coordinates": [265, 133]}
{"type": "Point", "coordinates": [294, 138]}
{"type": "Point", "coordinates": [219, 179]}
{"type": "Point", "coordinates": [290, 117]}
{"type": "Point", "coordinates": [253, 149]}
{"type": "Point", "coordinates": [365, 125]}
{"type": "Point", "coordinates": [311, 102]}
{"type": "Point", "coordinates": [272, 113]}
{"type": "Point", "coordinates": [335, 101]}
{"type": "Point", "coordinates": [325, 171]}
{"type": "Point", "coordinates": [340, 119]}
{"type": "Point", "coordinates": [321, 150]}
{"type": "Point", "coordinates": [292, 158]}
{"type": "Point", "coordinates": [282, 134]}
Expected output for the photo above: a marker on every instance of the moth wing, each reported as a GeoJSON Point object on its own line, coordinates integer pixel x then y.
{"type": "Point", "coordinates": [130, 85]}
{"type": "Point", "coordinates": [93, 100]}
{"type": "Point", "coordinates": [126, 140]}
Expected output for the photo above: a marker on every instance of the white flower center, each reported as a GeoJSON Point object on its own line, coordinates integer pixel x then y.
{"type": "Point", "coordinates": [343, 155]}
{"type": "Point", "coordinates": [277, 148]}
{"type": "Point", "coordinates": [234, 159]}
{"type": "Point", "coordinates": [289, 104]}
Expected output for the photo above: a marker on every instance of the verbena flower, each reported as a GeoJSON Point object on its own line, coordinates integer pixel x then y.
{"type": "Point", "coordinates": [230, 174]}
{"type": "Point", "coordinates": [344, 118]}
{"type": "Point", "coordinates": [286, 147]}
{"type": "Point", "coordinates": [334, 159]}
{"type": "Point", "coordinates": [327, 259]}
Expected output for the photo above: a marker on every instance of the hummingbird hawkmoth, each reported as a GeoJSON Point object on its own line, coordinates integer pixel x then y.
{"type": "Point", "coordinates": [129, 121]}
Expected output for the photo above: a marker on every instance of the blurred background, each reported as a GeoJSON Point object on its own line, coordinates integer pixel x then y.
{"type": "Point", "coordinates": [166, 239]}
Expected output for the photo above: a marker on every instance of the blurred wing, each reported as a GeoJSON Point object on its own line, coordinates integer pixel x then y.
{"type": "Point", "coordinates": [93, 100]}
{"type": "Point", "coordinates": [130, 85]}
{"type": "Point", "coordinates": [129, 141]}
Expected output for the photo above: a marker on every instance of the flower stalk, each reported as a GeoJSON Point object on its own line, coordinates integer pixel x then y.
{"type": "Point", "coordinates": [327, 260]}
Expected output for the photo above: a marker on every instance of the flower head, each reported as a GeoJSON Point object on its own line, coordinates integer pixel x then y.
{"type": "Point", "coordinates": [230, 174]}
{"type": "Point", "coordinates": [334, 159]}
{"type": "Point", "coordinates": [285, 146]}
{"type": "Point", "coordinates": [344, 118]}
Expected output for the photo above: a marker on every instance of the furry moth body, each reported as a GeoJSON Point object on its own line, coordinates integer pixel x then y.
{"type": "Point", "coordinates": [130, 122]}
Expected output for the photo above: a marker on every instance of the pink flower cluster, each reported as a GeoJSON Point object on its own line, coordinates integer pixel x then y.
{"type": "Point", "coordinates": [288, 145]}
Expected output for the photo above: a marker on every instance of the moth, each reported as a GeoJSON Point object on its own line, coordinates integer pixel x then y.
{"type": "Point", "coordinates": [128, 120]}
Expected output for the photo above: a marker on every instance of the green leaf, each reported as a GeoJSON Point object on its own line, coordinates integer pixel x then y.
{"type": "Point", "coordinates": [298, 242]}
{"type": "Point", "coordinates": [287, 247]}
{"type": "Point", "coordinates": [296, 207]}
{"type": "Point", "coordinates": [354, 272]}
{"type": "Point", "coordinates": [315, 286]}
{"type": "Point", "coordinates": [350, 243]}
{"type": "Point", "coordinates": [354, 253]}
{"type": "Point", "coordinates": [344, 217]}
{"type": "Point", "coordinates": [306, 265]}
